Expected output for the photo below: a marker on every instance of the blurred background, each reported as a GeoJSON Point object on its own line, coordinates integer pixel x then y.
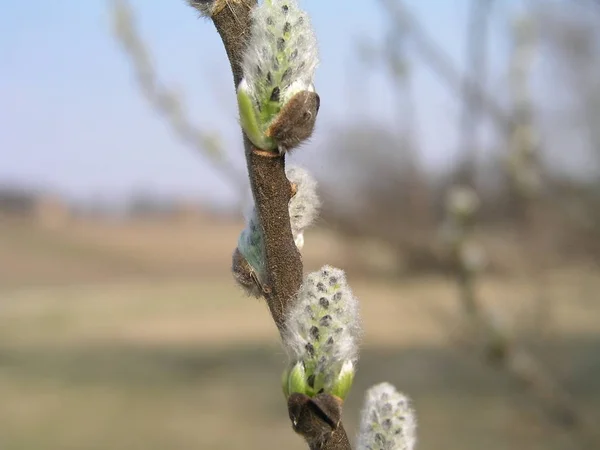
{"type": "Point", "coordinates": [122, 184]}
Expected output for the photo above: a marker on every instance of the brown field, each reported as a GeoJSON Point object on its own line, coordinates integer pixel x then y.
{"type": "Point", "coordinates": [133, 335]}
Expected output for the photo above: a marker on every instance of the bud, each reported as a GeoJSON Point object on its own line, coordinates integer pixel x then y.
{"type": "Point", "coordinates": [249, 118]}
{"type": "Point", "coordinates": [252, 247]}
{"type": "Point", "coordinates": [344, 380]}
{"type": "Point", "coordinates": [304, 205]}
{"type": "Point", "coordinates": [294, 380]}
{"type": "Point", "coordinates": [245, 275]}
{"type": "Point", "coordinates": [322, 332]}
{"type": "Point", "coordinates": [387, 421]}
{"type": "Point", "coordinates": [278, 65]}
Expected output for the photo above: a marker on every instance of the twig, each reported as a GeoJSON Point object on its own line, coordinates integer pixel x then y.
{"type": "Point", "coordinates": [270, 187]}
{"type": "Point", "coordinates": [471, 114]}
{"type": "Point", "coordinates": [525, 166]}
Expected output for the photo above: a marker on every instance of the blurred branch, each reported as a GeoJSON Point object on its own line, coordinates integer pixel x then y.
{"type": "Point", "coordinates": [441, 64]}
{"type": "Point", "coordinates": [166, 101]}
{"type": "Point", "coordinates": [477, 62]}
{"type": "Point", "coordinates": [568, 36]}
{"type": "Point", "coordinates": [524, 160]}
{"type": "Point", "coordinates": [485, 333]}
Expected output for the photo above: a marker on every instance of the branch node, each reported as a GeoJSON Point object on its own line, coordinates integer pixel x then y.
{"type": "Point", "coordinates": [265, 153]}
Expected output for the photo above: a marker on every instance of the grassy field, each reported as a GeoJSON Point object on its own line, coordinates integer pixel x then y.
{"type": "Point", "coordinates": [134, 337]}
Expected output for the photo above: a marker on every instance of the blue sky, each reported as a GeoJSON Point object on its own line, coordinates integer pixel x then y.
{"type": "Point", "coordinates": [74, 121]}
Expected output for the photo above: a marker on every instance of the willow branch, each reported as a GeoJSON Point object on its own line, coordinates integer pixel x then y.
{"type": "Point", "coordinates": [317, 419]}
{"type": "Point", "coordinates": [270, 187]}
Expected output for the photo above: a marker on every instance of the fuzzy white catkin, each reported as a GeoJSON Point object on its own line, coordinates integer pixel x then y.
{"type": "Point", "coordinates": [282, 50]}
{"type": "Point", "coordinates": [323, 327]}
{"type": "Point", "coordinates": [388, 421]}
{"type": "Point", "coordinates": [304, 205]}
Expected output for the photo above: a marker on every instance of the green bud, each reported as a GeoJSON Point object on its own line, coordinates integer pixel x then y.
{"type": "Point", "coordinates": [249, 119]}
{"type": "Point", "coordinates": [343, 383]}
{"type": "Point", "coordinates": [295, 380]}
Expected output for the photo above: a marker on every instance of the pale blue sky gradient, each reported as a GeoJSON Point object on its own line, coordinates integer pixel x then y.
{"type": "Point", "coordinates": [73, 120]}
